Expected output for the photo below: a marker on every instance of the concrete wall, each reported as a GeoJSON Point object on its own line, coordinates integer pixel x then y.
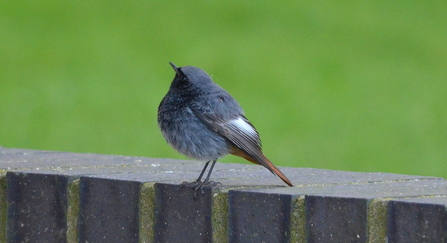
{"type": "Point", "coordinates": [67, 197]}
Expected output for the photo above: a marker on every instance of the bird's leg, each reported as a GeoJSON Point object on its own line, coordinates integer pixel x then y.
{"type": "Point", "coordinates": [206, 181]}
{"type": "Point", "coordinates": [197, 182]}
{"type": "Point", "coordinates": [203, 170]}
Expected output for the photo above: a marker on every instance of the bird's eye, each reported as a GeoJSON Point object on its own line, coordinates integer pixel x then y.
{"type": "Point", "coordinates": [183, 83]}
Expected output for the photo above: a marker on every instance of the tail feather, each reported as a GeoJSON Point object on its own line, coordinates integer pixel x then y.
{"type": "Point", "coordinates": [264, 162]}
{"type": "Point", "coordinates": [270, 166]}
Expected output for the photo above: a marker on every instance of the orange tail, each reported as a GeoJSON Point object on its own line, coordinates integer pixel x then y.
{"type": "Point", "coordinates": [264, 162]}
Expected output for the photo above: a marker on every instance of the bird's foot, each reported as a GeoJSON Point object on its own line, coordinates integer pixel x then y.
{"type": "Point", "coordinates": [198, 186]}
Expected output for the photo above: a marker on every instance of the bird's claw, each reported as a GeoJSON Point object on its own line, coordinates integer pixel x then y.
{"type": "Point", "coordinates": [198, 186]}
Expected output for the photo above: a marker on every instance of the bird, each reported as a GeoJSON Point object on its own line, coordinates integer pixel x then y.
{"type": "Point", "coordinates": [201, 120]}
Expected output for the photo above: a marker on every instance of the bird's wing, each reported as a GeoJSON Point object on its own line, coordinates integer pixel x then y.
{"type": "Point", "coordinates": [238, 130]}
{"type": "Point", "coordinates": [244, 136]}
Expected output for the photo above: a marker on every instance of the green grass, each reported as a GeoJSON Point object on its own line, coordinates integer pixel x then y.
{"type": "Point", "coordinates": [352, 85]}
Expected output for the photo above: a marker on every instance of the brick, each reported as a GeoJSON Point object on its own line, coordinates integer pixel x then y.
{"type": "Point", "coordinates": [329, 213]}
{"type": "Point", "coordinates": [336, 219]}
{"type": "Point", "coordinates": [257, 217]}
{"type": "Point", "coordinates": [121, 201]}
{"type": "Point", "coordinates": [181, 218]}
{"type": "Point", "coordinates": [417, 220]}
{"type": "Point", "coordinates": [18, 159]}
{"type": "Point", "coordinates": [37, 206]}
{"type": "Point", "coordinates": [109, 210]}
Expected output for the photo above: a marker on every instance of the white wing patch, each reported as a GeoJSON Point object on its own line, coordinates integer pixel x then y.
{"type": "Point", "coordinates": [242, 128]}
{"type": "Point", "coordinates": [238, 130]}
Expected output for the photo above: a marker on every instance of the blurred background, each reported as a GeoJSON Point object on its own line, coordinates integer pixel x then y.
{"type": "Point", "coordinates": [343, 85]}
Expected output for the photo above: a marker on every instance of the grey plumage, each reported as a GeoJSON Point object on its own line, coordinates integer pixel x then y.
{"type": "Point", "coordinates": [177, 115]}
{"type": "Point", "coordinates": [203, 121]}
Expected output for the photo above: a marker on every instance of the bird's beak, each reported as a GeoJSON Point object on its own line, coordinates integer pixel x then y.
{"type": "Point", "coordinates": [176, 69]}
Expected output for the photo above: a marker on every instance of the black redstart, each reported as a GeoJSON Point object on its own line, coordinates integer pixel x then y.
{"type": "Point", "coordinates": [203, 121]}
